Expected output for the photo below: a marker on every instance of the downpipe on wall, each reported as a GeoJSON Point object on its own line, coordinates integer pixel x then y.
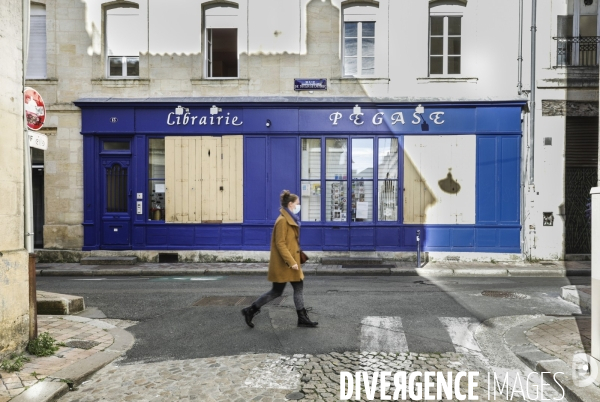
{"type": "Point", "coordinates": [532, 94]}
{"type": "Point", "coordinates": [28, 203]}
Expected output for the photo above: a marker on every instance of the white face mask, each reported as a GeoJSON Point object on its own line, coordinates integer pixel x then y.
{"type": "Point", "coordinates": [296, 209]}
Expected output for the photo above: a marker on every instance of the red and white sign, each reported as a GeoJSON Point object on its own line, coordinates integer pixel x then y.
{"type": "Point", "coordinates": [35, 109]}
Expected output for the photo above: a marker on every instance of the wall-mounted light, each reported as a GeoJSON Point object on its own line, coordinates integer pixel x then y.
{"type": "Point", "coordinates": [179, 110]}
{"type": "Point", "coordinates": [215, 110]}
{"type": "Point", "coordinates": [356, 109]}
{"type": "Point", "coordinates": [420, 109]}
{"type": "Point", "coordinates": [588, 2]}
{"type": "Point", "coordinates": [268, 124]}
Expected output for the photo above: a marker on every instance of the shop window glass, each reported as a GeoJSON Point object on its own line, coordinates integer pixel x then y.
{"type": "Point", "coordinates": [311, 180]}
{"type": "Point", "coordinates": [336, 174]}
{"type": "Point", "coordinates": [362, 179]}
{"type": "Point", "coordinates": [116, 146]}
{"type": "Point", "coordinates": [156, 179]}
{"type": "Point", "coordinates": [387, 165]}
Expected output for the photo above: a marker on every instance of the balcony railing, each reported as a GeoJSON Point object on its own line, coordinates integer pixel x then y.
{"type": "Point", "coordinates": [581, 51]}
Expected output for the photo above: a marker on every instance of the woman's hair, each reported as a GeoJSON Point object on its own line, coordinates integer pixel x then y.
{"type": "Point", "coordinates": [286, 197]}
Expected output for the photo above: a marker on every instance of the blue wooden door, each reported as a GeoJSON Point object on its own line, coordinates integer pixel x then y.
{"type": "Point", "coordinates": [116, 202]}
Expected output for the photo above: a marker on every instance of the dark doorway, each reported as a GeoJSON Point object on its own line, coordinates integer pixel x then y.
{"type": "Point", "coordinates": [581, 174]}
{"type": "Point", "coordinates": [37, 181]}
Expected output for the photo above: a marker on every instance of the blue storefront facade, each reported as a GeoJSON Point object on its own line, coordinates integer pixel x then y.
{"type": "Point", "coordinates": [346, 207]}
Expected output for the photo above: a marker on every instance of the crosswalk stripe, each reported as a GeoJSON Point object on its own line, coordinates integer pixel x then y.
{"type": "Point", "coordinates": [461, 331]}
{"type": "Point", "coordinates": [382, 334]}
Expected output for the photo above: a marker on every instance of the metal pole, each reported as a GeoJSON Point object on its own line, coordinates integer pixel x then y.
{"type": "Point", "coordinates": [33, 327]}
{"type": "Point", "coordinates": [595, 305]}
{"type": "Point", "coordinates": [532, 99]}
{"type": "Point", "coordinates": [418, 249]}
{"type": "Point", "coordinates": [520, 58]}
{"type": "Point", "coordinates": [28, 204]}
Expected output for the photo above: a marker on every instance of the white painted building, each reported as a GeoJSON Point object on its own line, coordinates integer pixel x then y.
{"type": "Point", "coordinates": [466, 182]}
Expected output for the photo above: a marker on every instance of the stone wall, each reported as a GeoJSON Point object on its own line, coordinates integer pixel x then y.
{"type": "Point", "coordinates": [14, 294]}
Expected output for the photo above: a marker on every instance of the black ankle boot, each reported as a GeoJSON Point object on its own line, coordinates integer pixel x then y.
{"type": "Point", "coordinates": [304, 321]}
{"type": "Point", "coordinates": [249, 313]}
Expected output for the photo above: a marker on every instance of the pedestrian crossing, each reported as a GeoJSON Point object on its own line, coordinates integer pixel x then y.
{"type": "Point", "coordinates": [439, 335]}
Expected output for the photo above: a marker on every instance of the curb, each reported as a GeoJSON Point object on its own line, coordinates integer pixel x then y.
{"type": "Point", "coordinates": [543, 363]}
{"type": "Point", "coordinates": [573, 294]}
{"type": "Point", "coordinates": [327, 271]}
{"type": "Point", "coordinates": [58, 384]}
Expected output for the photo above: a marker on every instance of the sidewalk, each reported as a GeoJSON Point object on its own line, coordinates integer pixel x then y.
{"type": "Point", "coordinates": [548, 345]}
{"type": "Point", "coordinates": [400, 268]}
{"type": "Point", "coordinates": [90, 345]}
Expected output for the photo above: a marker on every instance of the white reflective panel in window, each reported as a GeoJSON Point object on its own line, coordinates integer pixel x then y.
{"type": "Point", "coordinates": [362, 158]}
{"type": "Point", "coordinates": [439, 179]}
{"type": "Point", "coordinates": [388, 158]}
{"type": "Point", "coordinates": [387, 200]}
{"type": "Point", "coordinates": [336, 201]}
{"type": "Point", "coordinates": [311, 159]}
{"type": "Point", "coordinates": [126, 31]}
{"type": "Point", "coordinates": [310, 199]}
{"type": "Point", "coordinates": [336, 158]}
{"type": "Point", "coordinates": [362, 201]}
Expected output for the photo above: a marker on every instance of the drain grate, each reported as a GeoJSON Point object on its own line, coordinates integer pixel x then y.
{"type": "Point", "coordinates": [80, 344]}
{"type": "Point", "coordinates": [500, 294]}
{"type": "Point", "coordinates": [232, 301]}
{"type": "Point", "coordinates": [368, 266]}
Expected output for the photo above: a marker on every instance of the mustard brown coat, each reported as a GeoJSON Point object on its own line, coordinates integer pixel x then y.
{"type": "Point", "coordinates": [285, 250]}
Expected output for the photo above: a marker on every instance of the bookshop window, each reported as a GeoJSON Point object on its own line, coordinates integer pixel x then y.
{"type": "Point", "coordinates": [387, 195]}
{"type": "Point", "coordinates": [156, 179]}
{"type": "Point", "coordinates": [362, 179]}
{"type": "Point", "coordinates": [336, 179]}
{"type": "Point", "coordinates": [311, 180]}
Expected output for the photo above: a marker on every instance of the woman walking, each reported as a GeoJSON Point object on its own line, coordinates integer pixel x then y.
{"type": "Point", "coordinates": [284, 262]}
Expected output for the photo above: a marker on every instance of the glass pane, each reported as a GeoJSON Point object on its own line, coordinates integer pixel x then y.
{"type": "Point", "coordinates": [362, 201]}
{"type": "Point", "coordinates": [350, 65]}
{"type": "Point", "coordinates": [454, 46]}
{"type": "Point", "coordinates": [436, 65]}
{"type": "Point", "coordinates": [350, 48]}
{"type": "Point", "coordinates": [115, 66]}
{"type": "Point", "coordinates": [388, 200]}
{"type": "Point", "coordinates": [454, 65]}
{"type": "Point", "coordinates": [350, 29]}
{"type": "Point", "coordinates": [156, 158]}
{"type": "Point", "coordinates": [587, 25]}
{"type": "Point", "coordinates": [311, 159]}
{"type": "Point", "coordinates": [388, 158]}
{"type": "Point", "coordinates": [368, 66]}
{"type": "Point", "coordinates": [362, 158]}
{"type": "Point", "coordinates": [565, 26]}
{"type": "Point", "coordinates": [368, 29]}
{"type": "Point", "coordinates": [437, 25]}
{"type": "Point", "coordinates": [156, 189]}
{"type": "Point", "coordinates": [116, 189]}
{"type": "Point", "coordinates": [336, 158]}
{"type": "Point", "coordinates": [437, 46]}
{"type": "Point", "coordinates": [454, 25]}
{"type": "Point", "coordinates": [336, 201]}
{"type": "Point", "coordinates": [368, 47]}
{"type": "Point", "coordinates": [311, 201]}
{"type": "Point", "coordinates": [133, 66]}
{"type": "Point", "coordinates": [116, 146]}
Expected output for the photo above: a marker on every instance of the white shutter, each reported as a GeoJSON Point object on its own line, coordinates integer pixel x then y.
{"type": "Point", "coordinates": [36, 60]}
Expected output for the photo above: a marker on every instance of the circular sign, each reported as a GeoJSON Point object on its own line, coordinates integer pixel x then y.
{"type": "Point", "coordinates": [35, 109]}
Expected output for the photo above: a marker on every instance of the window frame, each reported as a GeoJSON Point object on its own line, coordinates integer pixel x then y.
{"type": "Point", "coordinates": [150, 207]}
{"type": "Point", "coordinates": [123, 67]}
{"type": "Point", "coordinates": [359, 50]}
{"type": "Point", "coordinates": [209, 59]}
{"type": "Point", "coordinates": [375, 221]}
{"type": "Point", "coordinates": [445, 39]}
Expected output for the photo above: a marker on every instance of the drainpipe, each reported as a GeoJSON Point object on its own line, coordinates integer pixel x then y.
{"type": "Point", "coordinates": [532, 98]}
{"type": "Point", "coordinates": [520, 58]}
{"type": "Point", "coordinates": [28, 207]}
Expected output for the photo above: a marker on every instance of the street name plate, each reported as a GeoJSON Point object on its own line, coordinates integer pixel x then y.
{"type": "Point", "coordinates": [310, 84]}
{"type": "Point", "coordinates": [37, 140]}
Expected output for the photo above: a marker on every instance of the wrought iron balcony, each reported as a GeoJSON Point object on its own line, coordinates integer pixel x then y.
{"type": "Point", "coordinates": [581, 51]}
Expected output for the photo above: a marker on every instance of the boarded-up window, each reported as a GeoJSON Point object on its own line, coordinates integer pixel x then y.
{"type": "Point", "coordinates": [439, 179]}
{"type": "Point", "coordinates": [204, 179]}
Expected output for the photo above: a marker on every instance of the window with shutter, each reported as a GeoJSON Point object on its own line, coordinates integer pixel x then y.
{"type": "Point", "coordinates": [36, 60]}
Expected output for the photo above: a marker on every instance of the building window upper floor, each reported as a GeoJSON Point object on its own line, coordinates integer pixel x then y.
{"type": "Point", "coordinates": [578, 35]}
{"type": "Point", "coordinates": [445, 37]}
{"type": "Point", "coordinates": [36, 55]}
{"type": "Point", "coordinates": [221, 24]}
{"type": "Point", "coordinates": [125, 38]}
